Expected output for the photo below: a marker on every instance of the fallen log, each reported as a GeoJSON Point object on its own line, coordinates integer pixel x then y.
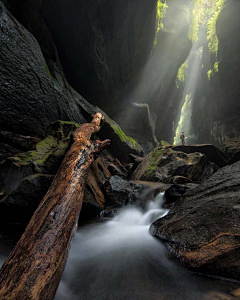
{"type": "Point", "coordinates": [33, 270]}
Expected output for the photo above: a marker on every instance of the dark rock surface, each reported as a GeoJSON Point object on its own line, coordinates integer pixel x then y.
{"type": "Point", "coordinates": [231, 146]}
{"type": "Point", "coordinates": [22, 202]}
{"type": "Point", "coordinates": [34, 91]}
{"type": "Point", "coordinates": [30, 97]}
{"type": "Point", "coordinates": [162, 164]}
{"type": "Point", "coordinates": [216, 110]}
{"type": "Point", "coordinates": [211, 152]}
{"type": "Point", "coordinates": [25, 177]}
{"type": "Point", "coordinates": [102, 45]}
{"type": "Point", "coordinates": [108, 54]}
{"type": "Point", "coordinates": [123, 192]}
{"type": "Point", "coordinates": [176, 191]}
{"type": "Point", "coordinates": [234, 158]}
{"type": "Point", "coordinates": [203, 228]}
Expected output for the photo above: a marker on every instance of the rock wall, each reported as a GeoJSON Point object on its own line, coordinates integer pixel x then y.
{"type": "Point", "coordinates": [103, 45]}
{"type": "Point", "coordinates": [31, 98]}
{"type": "Point", "coordinates": [216, 110]}
{"type": "Point", "coordinates": [107, 51]}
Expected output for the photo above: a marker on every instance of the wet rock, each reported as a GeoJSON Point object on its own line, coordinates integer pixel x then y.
{"type": "Point", "coordinates": [203, 228]}
{"type": "Point", "coordinates": [7, 150]}
{"type": "Point", "coordinates": [21, 203]}
{"type": "Point", "coordinates": [163, 163]}
{"type": "Point", "coordinates": [178, 180]}
{"type": "Point", "coordinates": [231, 146]}
{"type": "Point", "coordinates": [122, 192]}
{"type": "Point", "coordinates": [211, 152]}
{"type": "Point", "coordinates": [176, 191]}
{"type": "Point", "coordinates": [21, 142]}
{"type": "Point", "coordinates": [234, 158]}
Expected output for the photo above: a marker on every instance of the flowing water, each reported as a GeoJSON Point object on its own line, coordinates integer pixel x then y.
{"type": "Point", "coordinates": [120, 260]}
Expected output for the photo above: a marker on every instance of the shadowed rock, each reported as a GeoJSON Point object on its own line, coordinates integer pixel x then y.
{"type": "Point", "coordinates": [211, 152]}
{"type": "Point", "coordinates": [203, 227]}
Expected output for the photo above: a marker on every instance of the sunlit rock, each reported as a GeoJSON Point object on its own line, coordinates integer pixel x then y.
{"type": "Point", "coordinates": [163, 163]}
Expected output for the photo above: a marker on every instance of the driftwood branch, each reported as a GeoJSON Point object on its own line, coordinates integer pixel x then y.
{"type": "Point", "coordinates": [33, 270]}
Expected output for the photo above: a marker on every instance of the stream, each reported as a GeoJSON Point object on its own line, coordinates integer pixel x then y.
{"type": "Point", "coordinates": [119, 259]}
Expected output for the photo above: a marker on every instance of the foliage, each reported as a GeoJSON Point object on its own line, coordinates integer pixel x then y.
{"type": "Point", "coordinates": [161, 10]}
{"type": "Point", "coordinates": [212, 35]}
{"type": "Point", "coordinates": [182, 71]}
{"type": "Point", "coordinates": [123, 137]}
{"type": "Point", "coordinates": [211, 25]}
{"type": "Point", "coordinates": [204, 15]}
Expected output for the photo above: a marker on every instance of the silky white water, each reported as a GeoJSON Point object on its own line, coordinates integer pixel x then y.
{"type": "Point", "coordinates": [119, 260]}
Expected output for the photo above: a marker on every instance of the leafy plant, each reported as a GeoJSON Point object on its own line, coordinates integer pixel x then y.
{"type": "Point", "coordinates": [161, 10]}
{"type": "Point", "coordinates": [182, 71]}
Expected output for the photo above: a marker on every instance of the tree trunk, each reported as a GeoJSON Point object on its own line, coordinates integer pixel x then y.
{"type": "Point", "coordinates": [33, 270]}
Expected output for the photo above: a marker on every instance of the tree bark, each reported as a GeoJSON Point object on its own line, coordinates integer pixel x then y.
{"type": "Point", "coordinates": [33, 270]}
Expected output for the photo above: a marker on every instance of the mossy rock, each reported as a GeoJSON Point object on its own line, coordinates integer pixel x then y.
{"type": "Point", "coordinates": [46, 159]}
{"type": "Point", "coordinates": [148, 168]}
{"type": "Point", "coordinates": [164, 143]}
{"type": "Point", "coordinates": [163, 163]}
{"type": "Point", "coordinates": [121, 144]}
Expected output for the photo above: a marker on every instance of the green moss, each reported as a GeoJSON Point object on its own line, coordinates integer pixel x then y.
{"type": "Point", "coordinates": [74, 124]}
{"type": "Point", "coordinates": [48, 72]}
{"type": "Point", "coordinates": [50, 151]}
{"type": "Point", "coordinates": [161, 10]}
{"type": "Point", "coordinates": [164, 143]}
{"type": "Point", "coordinates": [26, 158]}
{"type": "Point", "coordinates": [46, 144]}
{"type": "Point", "coordinates": [122, 135]}
{"type": "Point", "coordinates": [152, 163]}
{"type": "Point", "coordinates": [205, 15]}
{"type": "Point", "coordinates": [147, 170]}
{"type": "Point", "coordinates": [182, 71]}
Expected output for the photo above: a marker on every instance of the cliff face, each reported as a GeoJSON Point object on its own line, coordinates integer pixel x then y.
{"type": "Point", "coordinates": [103, 45]}
{"type": "Point", "coordinates": [31, 97]}
{"type": "Point", "coordinates": [108, 54]}
{"type": "Point", "coordinates": [217, 107]}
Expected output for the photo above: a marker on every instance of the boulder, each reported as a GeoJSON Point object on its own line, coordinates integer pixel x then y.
{"type": "Point", "coordinates": [203, 227]}
{"type": "Point", "coordinates": [231, 146]}
{"type": "Point", "coordinates": [163, 163]}
{"type": "Point", "coordinates": [176, 191]}
{"type": "Point", "coordinates": [211, 152]}
{"type": "Point", "coordinates": [22, 202]}
{"type": "Point", "coordinates": [122, 192]}
{"type": "Point", "coordinates": [26, 177]}
{"type": "Point", "coordinates": [234, 158]}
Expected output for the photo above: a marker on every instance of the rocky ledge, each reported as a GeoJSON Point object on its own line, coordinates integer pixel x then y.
{"type": "Point", "coordinates": [203, 227]}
